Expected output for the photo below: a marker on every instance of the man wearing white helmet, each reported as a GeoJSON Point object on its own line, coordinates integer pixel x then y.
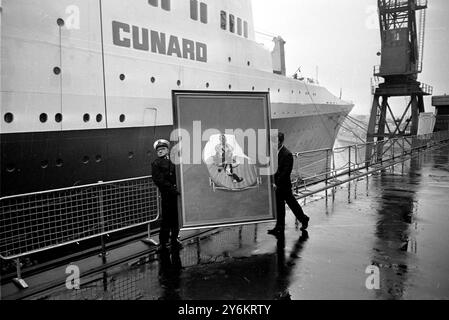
{"type": "Point", "coordinates": [164, 176]}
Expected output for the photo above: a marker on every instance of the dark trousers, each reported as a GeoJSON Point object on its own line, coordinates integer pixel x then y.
{"type": "Point", "coordinates": [169, 223]}
{"type": "Point", "coordinates": [284, 196]}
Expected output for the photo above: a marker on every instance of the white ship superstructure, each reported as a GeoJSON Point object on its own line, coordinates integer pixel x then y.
{"type": "Point", "coordinates": [86, 85]}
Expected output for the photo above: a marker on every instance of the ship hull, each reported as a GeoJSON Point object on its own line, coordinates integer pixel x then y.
{"type": "Point", "coordinates": [40, 161]}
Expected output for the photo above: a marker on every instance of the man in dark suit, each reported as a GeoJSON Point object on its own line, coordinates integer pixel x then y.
{"type": "Point", "coordinates": [284, 192]}
{"type": "Point", "coordinates": [164, 176]}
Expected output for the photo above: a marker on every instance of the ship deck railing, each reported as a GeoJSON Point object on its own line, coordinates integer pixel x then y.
{"type": "Point", "coordinates": [339, 166]}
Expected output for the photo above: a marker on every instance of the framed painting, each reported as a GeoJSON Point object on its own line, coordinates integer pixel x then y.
{"type": "Point", "coordinates": [224, 156]}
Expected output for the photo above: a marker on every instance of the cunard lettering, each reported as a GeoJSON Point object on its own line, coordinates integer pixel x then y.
{"type": "Point", "coordinates": [144, 39]}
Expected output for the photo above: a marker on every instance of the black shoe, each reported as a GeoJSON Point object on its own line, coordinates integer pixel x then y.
{"type": "Point", "coordinates": [275, 231]}
{"type": "Point", "coordinates": [305, 223]}
{"type": "Point", "coordinates": [236, 178]}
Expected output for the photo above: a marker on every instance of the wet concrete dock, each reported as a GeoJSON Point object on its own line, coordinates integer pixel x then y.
{"type": "Point", "coordinates": [396, 221]}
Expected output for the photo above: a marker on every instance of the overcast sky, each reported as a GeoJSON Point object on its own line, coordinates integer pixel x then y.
{"type": "Point", "coordinates": [342, 38]}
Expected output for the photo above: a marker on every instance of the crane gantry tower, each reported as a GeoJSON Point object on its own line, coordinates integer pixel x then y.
{"type": "Point", "coordinates": [401, 61]}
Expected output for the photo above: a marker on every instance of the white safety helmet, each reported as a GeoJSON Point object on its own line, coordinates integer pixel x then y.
{"type": "Point", "coordinates": [162, 143]}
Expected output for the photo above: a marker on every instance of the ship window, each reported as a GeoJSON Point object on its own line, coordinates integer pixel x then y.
{"type": "Point", "coordinates": [245, 29]}
{"type": "Point", "coordinates": [165, 4]}
{"type": "Point", "coordinates": [43, 117]}
{"type": "Point", "coordinates": [44, 164]}
{"type": "Point", "coordinates": [86, 117]}
{"type": "Point", "coordinates": [98, 158]}
{"type": "Point", "coordinates": [86, 160]}
{"type": "Point", "coordinates": [194, 9]}
{"type": "Point", "coordinates": [10, 168]}
{"type": "Point", "coordinates": [122, 118]}
{"type": "Point", "coordinates": [239, 26]}
{"type": "Point", "coordinates": [122, 77]}
{"type": "Point", "coordinates": [58, 117]}
{"type": "Point", "coordinates": [9, 117]}
{"type": "Point", "coordinates": [232, 23]}
{"type": "Point", "coordinates": [224, 20]}
{"type": "Point", "coordinates": [59, 163]}
{"type": "Point", "coordinates": [99, 118]}
{"type": "Point", "coordinates": [203, 12]}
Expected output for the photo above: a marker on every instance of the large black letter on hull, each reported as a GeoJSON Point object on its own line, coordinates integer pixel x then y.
{"type": "Point", "coordinates": [140, 45]}
{"type": "Point", "coordinates": [158, 42]}
{"type": "Point", "coordinates": [173, 47]}
{"type": "Point", "coordinates": [117, 39]}
{"type": "Point", "coordinates": [201, 52]}
{"type": "Point", "coordinates": [188, 49]}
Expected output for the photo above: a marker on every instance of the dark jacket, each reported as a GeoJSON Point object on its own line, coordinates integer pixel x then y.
{"type": "Point", "coordinates": [164, 176]}
{"type": "Point", "coordinates": [285, 166]}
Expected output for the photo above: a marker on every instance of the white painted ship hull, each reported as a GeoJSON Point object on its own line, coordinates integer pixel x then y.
{"type": "Point", "coordinates": [96, 119]}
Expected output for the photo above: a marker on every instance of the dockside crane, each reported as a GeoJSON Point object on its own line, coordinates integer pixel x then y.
{"type": "Point", "coordinates": [402, 53]}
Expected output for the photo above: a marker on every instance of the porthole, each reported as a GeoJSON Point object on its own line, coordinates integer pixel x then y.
{"type": "Point", "coordinates": [269, 89]}
{"type": "Point", "coordinates": [86, 160]}
{"type": "Point", "coordinates": [130, 155]}
{"type": "Point", "coordinates": [230, 87]}
{"type": "Point", "coordinates": [44, 164]}
{"type": "Point", "coordinates": [153, 79]}
{"type": "Point", "coordinates": [58, 117]}
{"type": "Point", "coordinates": [178, 83]}
{"type": "Point", "coordinates": [9, 117]}
{"type": "Point", "coordinates": [122, 118]}
{"type": "Point", "coordinates": [122, 77]}
{"type": "Point", "coordinates": [99, 118]}
{"type": "Point", "coordinates": [229, 59]}
{"type": "Point", "coordinates": [59, 163]}
{"type": "Point", "coordinates": [248, 63]}
{"type": "Point", "coordinates": [254, 88]}
{"type": "Point", "coordinates": [86, 117]}
{"type": "Point", "coordinates": [43, 117]}
{"type": "Point", "coordinates": [57, 70]}
{"type": "Point", "coordinates": [98, 158]}
{"type": "Point", "coordinates": [60, 22]}
{"type": "Point", "coordinates": [10, 168]}
{"type": "Point", "coordinates": [207, 85]}
{"type": "Point", "coordinates": [279, 90]}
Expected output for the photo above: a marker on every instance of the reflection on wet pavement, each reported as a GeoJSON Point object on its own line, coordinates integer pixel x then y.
{"type": "Point", "coordinates": [396, 221]}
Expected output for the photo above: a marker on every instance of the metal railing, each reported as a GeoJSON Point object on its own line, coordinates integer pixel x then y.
{"type": "Point", "coordinates": [40, 221]}
{"type": "Point", "coordinates": [326, 165]}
